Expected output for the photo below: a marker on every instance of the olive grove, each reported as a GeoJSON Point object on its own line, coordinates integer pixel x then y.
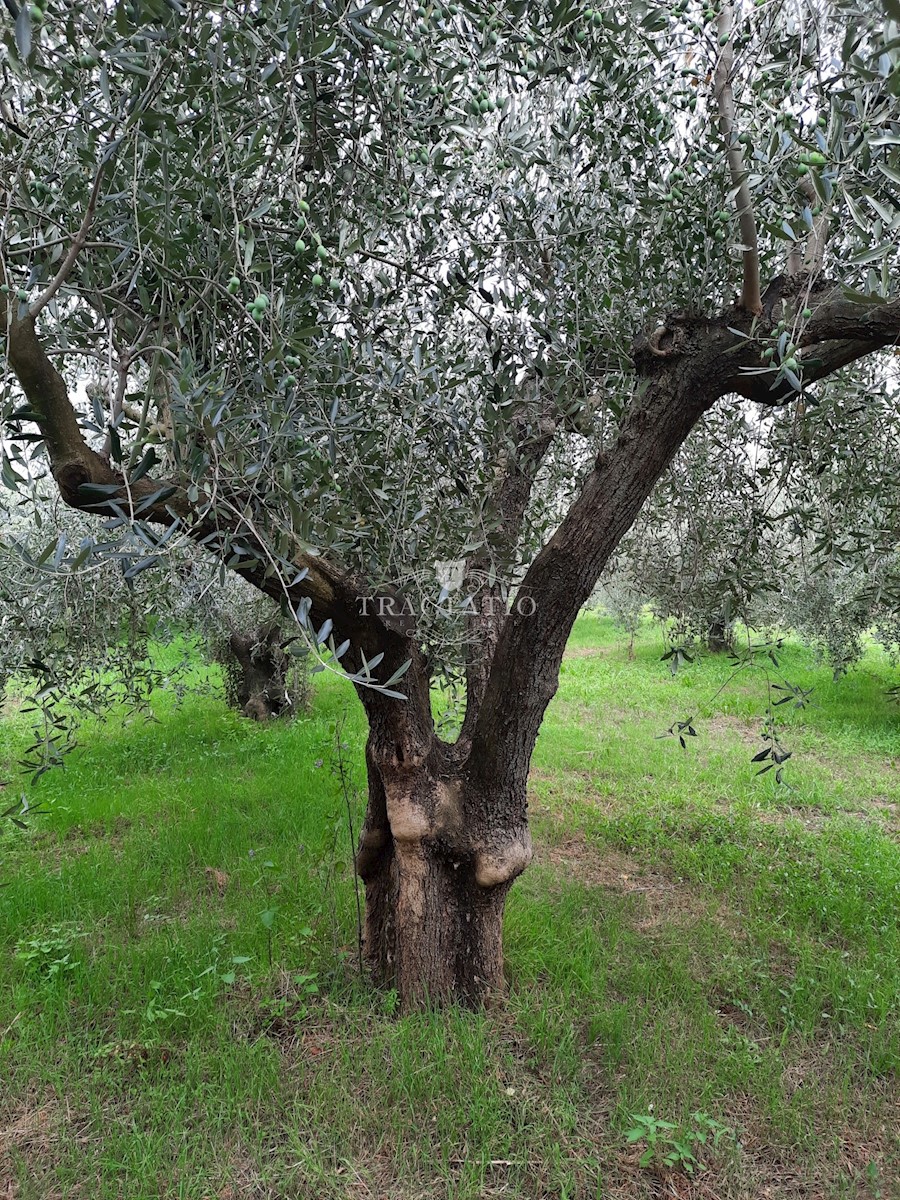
{"type": "Point", "coordinates": [778, 518]}
{"type": "Point", "coordinates": [363, 282]}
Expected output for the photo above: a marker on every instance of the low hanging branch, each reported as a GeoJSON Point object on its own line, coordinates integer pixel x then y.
{"type": "Point", "coordinates": [88, 481]}
{"type": "Point", "coordinates": [751, 299]}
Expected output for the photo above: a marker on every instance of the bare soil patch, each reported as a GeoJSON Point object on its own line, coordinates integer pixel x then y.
{"type": "Point", "coordinates": [661, 899]}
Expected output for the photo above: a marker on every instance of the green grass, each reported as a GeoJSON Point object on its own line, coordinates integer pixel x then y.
{"type": "Point", "coordinates": [691, 939]}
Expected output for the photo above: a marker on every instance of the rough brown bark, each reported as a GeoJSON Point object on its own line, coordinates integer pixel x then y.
{"type": "Point", "coordinates": [437, 862]}
{"type": "Point", "coordinates": [720, 636]}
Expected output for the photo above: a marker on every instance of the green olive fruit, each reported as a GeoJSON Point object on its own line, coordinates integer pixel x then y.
{"type": "Point", "coordinates": [807, 313]}
{"type": "Point", "coordinates": [791, 364]}
{"type": "Point", "coordinates": [317, 280]}
{"type": "Point", "coordinates": [261, 301]}
{"type": "Point", "coordinates": [335, 285]}
{"type": "Point", "coordinates": [300, 245]}
{"type": "Point", "coordinates": [234, 284]}
{"type": "Point", "coordinates": [322, 254]}
{"type": "Point", "coordinates": [23, 295]}
{"type": "Point", "coordinates": [303, 206]}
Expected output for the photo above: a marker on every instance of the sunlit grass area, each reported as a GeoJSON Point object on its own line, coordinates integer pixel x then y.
{"type": "Point", "coordinates": [703, 965]}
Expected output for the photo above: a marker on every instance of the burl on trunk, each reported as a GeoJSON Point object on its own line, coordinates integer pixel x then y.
{"type": "Point", "coordinates": [437, 864]}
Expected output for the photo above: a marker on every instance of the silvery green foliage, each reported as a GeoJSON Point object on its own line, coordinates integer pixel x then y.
{"type": "Point", "coordinates": [840, 461]}
{"type": "Point", "coordinates": [836, 612]}
{"type": "Point", "coordinates": [334, 240]}
{"type": "Point", "coordinates": [74, 636]}
{"type": "Point", "coordinates": [708, 548]}
{"type": "Point", "coordinates": [789, 519]}
{"type": "Point", "coordinates": [71, 641]}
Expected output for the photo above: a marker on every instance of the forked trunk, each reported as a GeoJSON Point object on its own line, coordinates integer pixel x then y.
{"type": "Point", "coordinates": [436, 881]}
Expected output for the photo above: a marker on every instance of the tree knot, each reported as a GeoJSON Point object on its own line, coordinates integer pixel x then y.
{"type": "Point", "coordinates": [666, 341]}
{"type": "Point", "coordinates": [70, 478]}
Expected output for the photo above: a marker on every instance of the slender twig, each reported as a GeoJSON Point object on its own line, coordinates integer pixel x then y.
{"type": "Point", "coordinates": [814, 257]}
{"type": "Point", "coordinates": [751, 299]}
{"type": "Point", "coordinates": [346, 789]}
{"type": "Point", "coordinates": [75, 249]}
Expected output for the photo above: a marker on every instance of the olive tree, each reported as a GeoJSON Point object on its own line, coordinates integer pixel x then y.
{"type": "Point", "coordinates": [709, 548]}
{"type": "Point", "coordinates": [786, 518]}
{"type": "Point", "coordinates": [74, 641]}
{"type": "Point", "coordinates": [362, 279]}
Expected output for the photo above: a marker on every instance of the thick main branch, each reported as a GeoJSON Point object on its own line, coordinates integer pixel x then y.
{"type": "Point", "coordinates": [680, 376]}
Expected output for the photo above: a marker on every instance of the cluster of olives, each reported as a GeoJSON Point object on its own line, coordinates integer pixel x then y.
{"type": "Point", "coordinates": [301, 247]}
{"type": "Point", "coordinates": [257, 308]}
{"type": "Point", "coordinates": [810, 159]}
{"type": "Point", "coordinates": [259, 305]}
{"type": "Point", "coordinates": [21, 294]}
{"type": "Point", "coordinates": [789, 360]}
{"type": "Point", "coordinates": [37, 12]}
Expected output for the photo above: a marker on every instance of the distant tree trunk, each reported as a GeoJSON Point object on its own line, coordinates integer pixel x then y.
{"type": "Point", "coordinates": [720, 636]}
{"type": "Point", "coordinates": [256, 673]}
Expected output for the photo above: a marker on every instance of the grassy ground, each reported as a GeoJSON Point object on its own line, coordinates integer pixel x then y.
{"type": "Point", "coordinates": [181, 1014]}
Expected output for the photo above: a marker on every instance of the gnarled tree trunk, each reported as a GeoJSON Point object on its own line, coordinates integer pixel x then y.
{"type": "Point", "coordinates": [437, 862]}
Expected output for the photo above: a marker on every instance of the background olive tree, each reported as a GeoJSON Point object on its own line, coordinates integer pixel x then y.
{"type": "Point", "coordinates": [76, 639]}
{"type": "Point", "coordinates": [787, 519]}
